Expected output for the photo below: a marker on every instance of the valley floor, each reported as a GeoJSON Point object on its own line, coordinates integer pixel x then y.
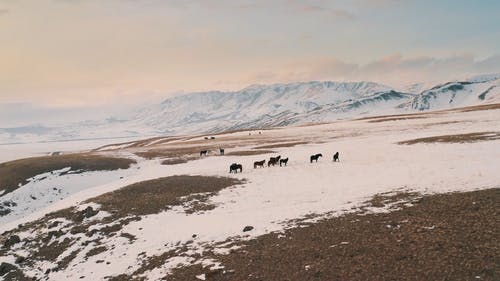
{"type": "Point", "coordinates": [303, 220]}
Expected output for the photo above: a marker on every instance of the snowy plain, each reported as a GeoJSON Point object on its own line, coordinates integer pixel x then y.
{"type": "Point", "coordinates": [371, 162]}
{"type": "Point", "coordinates": [33, 148]}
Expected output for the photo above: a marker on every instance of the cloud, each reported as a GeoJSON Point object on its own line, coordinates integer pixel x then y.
{"type": "Point", "coordinates": [320, 9]}
{"type": "Point", "coordinates": [394, 70]}
{"type": "Point", "coordinates": [326, 10]}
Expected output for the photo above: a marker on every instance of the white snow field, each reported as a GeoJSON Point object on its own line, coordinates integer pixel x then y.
{"type": "Point", "coordinates": [33, 148]}
{"type": "Point", "coordinates": [371, 161]}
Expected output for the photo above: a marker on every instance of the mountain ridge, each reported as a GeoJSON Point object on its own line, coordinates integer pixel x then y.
{"type": "Point", "coordinates": [263, 106]}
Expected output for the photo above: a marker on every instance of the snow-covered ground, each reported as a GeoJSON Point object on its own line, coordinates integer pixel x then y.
{"type": "Point", "coordinates": [371, 162]}
{"type": "Point", "coordinates": [34, 148]}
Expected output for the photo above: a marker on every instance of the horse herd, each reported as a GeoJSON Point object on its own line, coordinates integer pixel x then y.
{"type": "Point", "coordinates": [275, 160]}
{"type": "Point", "coordinates": [272, 162]}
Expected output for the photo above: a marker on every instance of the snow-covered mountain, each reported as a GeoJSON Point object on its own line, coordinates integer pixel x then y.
{"type": "Point", "coordinates": [262, 106]}
{"type": "Point", "coordinates": [459, 93]}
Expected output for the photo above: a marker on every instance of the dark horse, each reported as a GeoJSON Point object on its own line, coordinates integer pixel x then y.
{"type": "Point", "coordinates": [336, 157]}
{"type": "Point", "coordinates": [204, 152]}
{"type": "Point", "coordinates": [315, 157]}
{"type": "Point", "coordinates": [221, 150]}
{"type": "Point", "coordinates": [273, 160]}
{"type": "Point", "coordinates": [235, 167]}
{"type": "Point", "coordinates": [259, 164]}
{"type": "Point", "coordinates": [284, 161]}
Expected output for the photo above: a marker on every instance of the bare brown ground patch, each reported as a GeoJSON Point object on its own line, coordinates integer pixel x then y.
{"type": "Point", "coordinates": [280, 145]}
{"type": "Point", "coordinates": [154, 196]}
{"type": "Point", "coordinates": [492, 106]}
{"type": "Point", "coordinates": [427, 125]}
{"type": "Point", "coordinates": [451, 236]}
{"type": "Point", "coordinates": [378, 120]}
{"type": "Point", "coordinates": [172, 152]}
{"type": "Point", "coordinates": [108, 146]}
{"type": "Point", "coordinates": [138, 143]}
{"type": "Point", "coordinates": [458, 138]}
{"type": "Point", "coordinates": [17, 172]}
{"type": "Point", "coordinates": [249, 152]}
{"type": "Point", "coordinates": [175, 161]}
{"type": "Point", "coordinates": [392, 116]}
{"type": "Point", "coordinates": [431, 113]}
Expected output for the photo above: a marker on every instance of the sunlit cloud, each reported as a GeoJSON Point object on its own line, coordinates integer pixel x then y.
{"type": "Point", "coordinates": [394, 70]}
{"type": "Point", "coordinates": [78, 53]}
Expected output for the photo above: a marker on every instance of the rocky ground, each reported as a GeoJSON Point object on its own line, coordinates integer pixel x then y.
{"type": "Point", "coordinates": [452, 236]}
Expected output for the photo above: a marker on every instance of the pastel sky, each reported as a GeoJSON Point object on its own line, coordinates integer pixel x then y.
{"type": "Point", "coordinates": [100, 52]}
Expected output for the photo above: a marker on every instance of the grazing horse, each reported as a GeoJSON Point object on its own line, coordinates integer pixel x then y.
{"type": "Point", "coordinates": [259, 164]}
{"type": "Point", "coordinates": [204, 152]}
{"type": "Point", "coordinates": [336, 157]}
{"type": "Point", "coordinates": [273, 160]}
{"type": "Point", "coordinates": [315, 157]}
{"type": "Point", "coordinates": [235, 167]}
{"type": "Point", "coordinates": [284, 161]}
{"type": "Point", "coordinates": [221, 150]}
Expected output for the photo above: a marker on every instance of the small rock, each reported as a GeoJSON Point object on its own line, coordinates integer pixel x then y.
{"type": "Point", "coordinates": [247, 228]}
{"type": "Point", "coordinates": [47, 271]}
{"type": "Point", "coordinates": [20, 259]}
{"type": "Point", "coordinates": [14, 239]}
{"type": "Point", "coordinates": [54, 233]}
{"type": "Point", "coordinates": [6, 268]}
{"type": "Point", "coordinates": [194, 236]}
{"type": "Point", "coordinates": [89, 212]}
{"type": "Point", "coordinates": [214, 273]}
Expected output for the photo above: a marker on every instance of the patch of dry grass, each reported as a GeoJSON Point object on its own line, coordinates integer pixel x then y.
{"type": "Point", "coordinates": [154, 196]}
{"type": "Point", "coordinates": [173, 152]}
{"type": "Point", "coordinates": [458, 138]}
{"type": "Point", "coordinates": [478, 107]}
{"type": "Point", "coordinates": [378, 120]}
{"type": "Point", "coordinates": [17, 172]}
{"type": "Point", "coordinates": [398, 116]}
{"type": "Point", "coordinates": [279, 145]}
{"type": "Point", "coordinates": [249, 152]}
{"type": "Point", "coordinates": [174, 161]}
